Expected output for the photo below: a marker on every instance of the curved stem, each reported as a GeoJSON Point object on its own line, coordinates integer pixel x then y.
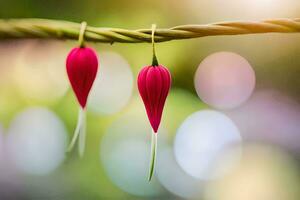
{"type": "Point", "coordinates": [154, 59]}
{"type": "Point", "coordinates": [82, 135]}
{"type": "Point", "coordinates": [153, 155]}
{"type": "Point", "coordinates": [77, 130]}
{"type": "Point", "coordinates": [80, 132]}
{"type": "Point", "coordinates": [81, 34]}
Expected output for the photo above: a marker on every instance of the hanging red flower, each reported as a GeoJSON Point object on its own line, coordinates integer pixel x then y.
{"type": "Point", "coordinates": [154, 84]}
{"type": "Point", "coordinates": [82, 67]}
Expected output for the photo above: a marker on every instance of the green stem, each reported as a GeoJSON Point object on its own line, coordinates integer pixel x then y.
{"type": "Point", "coordinates": [77, 131]}
{"type": "Point", "coordinates": [154, 60]}
{"type": "Point", "coordinates": [80, 132]}
{"type": "Point", "coordinates": [153, 155]}
{"type": "Point", "coordinates": [81, 34]}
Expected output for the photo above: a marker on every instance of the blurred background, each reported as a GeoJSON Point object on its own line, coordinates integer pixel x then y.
{"type": "Point", "coordinates": [230, 128]}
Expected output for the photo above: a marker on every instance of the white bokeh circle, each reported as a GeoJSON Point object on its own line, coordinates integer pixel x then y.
{"type": "Point", "coordinates": [173, 178]}
{"type": "Point", "coordinates": [202, 139]}
{"type": "Point", "coordinates": [113, 86]}
{"type": "Point", "coordinates": [224, 80]}
{"type": "Point", "coordinates": [36, 141]}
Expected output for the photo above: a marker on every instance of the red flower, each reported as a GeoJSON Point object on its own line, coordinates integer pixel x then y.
{"type": "Point", "coordinates": [82, 66]}
{"type": "Point", "coordinates": [154, 84]}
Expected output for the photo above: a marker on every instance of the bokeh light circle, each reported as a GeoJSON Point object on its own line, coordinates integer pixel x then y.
{"type": "Point", "coordinates": [125, 152]}
{"type": "Point", "coordinates": [113, 86]}
{"type": "Point", "coordinates": [224, 80]}
{"type": "Point", "coordinates": [269, 116]}
{"type": "Point", "coordinates": [39, 71]}
{"type": "Point", "coordinates": [173, 178]}
{"type": "Point", "coordinates": [202, 139]}
{"type": "Point", "coordinates": [36, 141]}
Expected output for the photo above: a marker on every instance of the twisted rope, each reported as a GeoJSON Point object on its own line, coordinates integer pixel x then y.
{"type": "Point", "coordinates": [44, 28]}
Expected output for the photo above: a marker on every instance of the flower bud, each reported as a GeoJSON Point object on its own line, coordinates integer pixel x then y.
{"type": "Point", "coordinates": [82, 66]}
{"type": "Point", "coordinates": [154, 84]}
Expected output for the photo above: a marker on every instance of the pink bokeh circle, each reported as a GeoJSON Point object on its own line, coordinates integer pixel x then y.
{"type": "Point", "coordinates": [224, 80]}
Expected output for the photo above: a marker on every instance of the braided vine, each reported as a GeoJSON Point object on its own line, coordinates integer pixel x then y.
{"type": "Point", "coordinates": [58, 29]}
